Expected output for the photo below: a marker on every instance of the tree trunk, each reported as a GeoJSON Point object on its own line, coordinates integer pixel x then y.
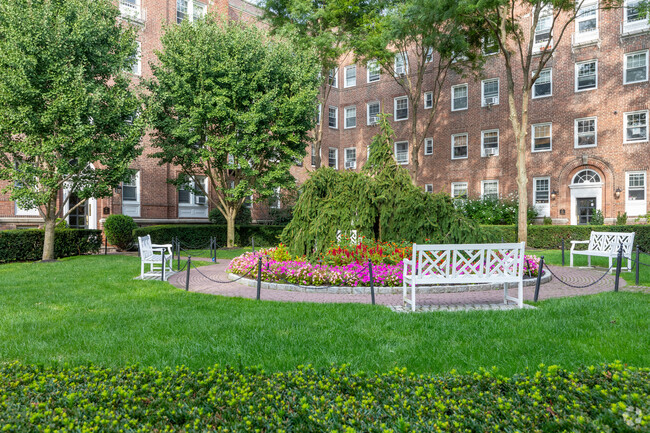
{"type": "Point", "coordinates": [48, 243]}
{"type": "Point", "coordinates": [522, 172]}
{"type": "Point", "coordinates": [230, 222]}
{"type": "Point", "coordinates": [414, 150]}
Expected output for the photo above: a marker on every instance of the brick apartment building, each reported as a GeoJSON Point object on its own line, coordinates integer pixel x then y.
{"type": "Point", "coordinates": [589, 146]}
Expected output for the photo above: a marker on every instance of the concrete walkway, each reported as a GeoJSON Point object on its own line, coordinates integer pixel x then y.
{"type": "Point", "coordinates": [553, 289]}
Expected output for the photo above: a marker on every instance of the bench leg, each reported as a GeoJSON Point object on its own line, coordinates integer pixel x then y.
{"type": "Point", "coordinates": [404, 292]}
{"type": "Point", "coordinates": [413, 296]}
{"type": "Point", "coordinates": [505, 293]}
{"type": "Point", "coordinates": [589, 261]}
{"type": "Point", "coordinates": [571, 259]}
{"type": "Point", "coordinates": [520, 294]}
{"type": "Point", "coordinates": [141, 270]}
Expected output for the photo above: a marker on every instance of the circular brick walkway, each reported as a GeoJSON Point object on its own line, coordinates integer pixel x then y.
{"type": "Point", "coordinates": [552, 289]}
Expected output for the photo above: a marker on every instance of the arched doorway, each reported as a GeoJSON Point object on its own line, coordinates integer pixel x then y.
{"type": "Point", "coordinates": [586, 196]}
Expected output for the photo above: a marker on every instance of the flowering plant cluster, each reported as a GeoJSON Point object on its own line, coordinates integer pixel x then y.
{"type": "Point", "coordinates": [390, 253]}
{"type": "Point", "coordinates": [605, 398]}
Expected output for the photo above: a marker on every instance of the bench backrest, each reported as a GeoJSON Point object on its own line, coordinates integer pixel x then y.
{"type": "Point", "coordinates": [144, 243]}
{"type": "Point", "coordinates": [469, 263]}
{"type": "Point", "coordinates": [610, 242]}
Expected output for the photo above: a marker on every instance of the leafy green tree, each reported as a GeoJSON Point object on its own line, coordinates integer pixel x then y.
{"type": "Point", "coordinates": [233, 105]}
{"type": "Point", "coordinates": [64, 102]}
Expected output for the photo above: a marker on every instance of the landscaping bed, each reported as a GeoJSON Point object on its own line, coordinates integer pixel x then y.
{"type": "Point", "coordinates": [610, 397]}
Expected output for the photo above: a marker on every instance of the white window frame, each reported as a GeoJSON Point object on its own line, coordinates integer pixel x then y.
{"type": "Point", "coordinates": [136, 68]}
{"type": "Point", "coordinates": [636, 25]}
{"type": "Point", "coordinates": [625, 116]}
{"type": "Point", "coordinates": [636, 207]}
{"type": "Point", "coordinates": [461, 186]}
{"type": "Point", "coordinates": [484, 182]}
{"type": "Point", "coordinates": [189, 15]}
{"type": "Point", "coordinates": [428, 100]}
{"type": "Point", "coordinates": [483, 154]}
{"type": "Point", "coordinates": [333, 77]}
{"type": "Point", "coordinates": [550, 75]}
{"type": "Point", "coordinates": [347, 160]}
{"type": "Point", "coordinates": [577, 68]}
{"type": "Point", "coordinates": [347, 81]}
{"type": "Point", "coordinates": [537, 46]}
{"type": "Point", "coordinates": [275, 201]}
{"type": "Point", "coordinates": [336, 117]}
{"type": "Point", "coordinates": [407, 152]}
{"type": "Point", "coordinates": [395, 100]}
{"type": "Point", "coordinates": [134, 183]}
{"type": "Point", "coordinates": [373, 66]}
{"type": "Point", "coordinates": [483, 101]}
{"type": "Point", "coordinates": [428, 146]}
{"type": "Point", "coordinates": [194, 195]}
{"type": "Point", "coordinates": [543, 209]}
{"type": "Point", "coordinates": [428, 187]}
{"type": "Point", "coordinates": [484, 45]}
{"type": "Point", "coordinates": [585, 37]}
{"type": "Point", "coordinates": [625, 60]}
{"type": "Point", "coordinates": [576, 134]}
{"type": "Point", "coordinates": [405, 66]}
{"type": "Point", "coordinates": [429, 57]}
{"type": "Point", "coordinates": [369, 122]}
{"type": "Point", "coordinates": [336, 157]}
{"type": "Point", "coordinates": [320, 114]}
{"type": "Point", "coordinates": [532, 136]}
{"type": "Point", "coordinates": [453, 97]}
{"type": "Point", "coordinates": [346, 110]}
{"type": "Point", "coordinates": [453, 139]}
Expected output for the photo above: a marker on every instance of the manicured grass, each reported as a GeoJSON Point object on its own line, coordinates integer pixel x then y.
{"type": "Point", "coordinates": [90, 310]}
{"type": "Point", "coordinates": [221, 253]}
{"type": "Point", "coordinates": [554, 257]}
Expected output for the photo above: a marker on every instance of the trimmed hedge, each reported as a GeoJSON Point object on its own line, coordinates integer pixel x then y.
{"type": "Point", "coordinates": [27, 245]}
{"type": "Point", "coordinates": [613, 398]}
{"type": "Point", "coordinates": [199, 234]}
{"type": "Point", "coordinates": [550, 237]}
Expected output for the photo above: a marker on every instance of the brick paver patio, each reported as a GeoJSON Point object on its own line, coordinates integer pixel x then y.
{"type": "Point", "coordinates": [553, 289]}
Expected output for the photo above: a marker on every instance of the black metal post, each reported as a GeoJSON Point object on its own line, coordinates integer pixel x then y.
{"type": "Point", "coordinates": [539, 277]}
{"type": "Point", "coordinates": [163, 264]}
{"type": "Point", "coordinates": [562, 252]}
{"type": "Point", "coordinates": [619, 259]}
{"type": "Point", "coordinates": [638, 262]}
{"type": "Point", "coordinates": [187, 278]}
{"type": "Point", "coordinates": [372, 282]}
{"type": "Point", "coordinates": [213, 253]}
{"type": "Point", "coordinates": [178, 254]}
{"type": "Point", "coordinates": [253, 242]}
{"type": "Point", "coordinates": [105, 244]}
{"type": "Point", "coordinates": [259, 278]}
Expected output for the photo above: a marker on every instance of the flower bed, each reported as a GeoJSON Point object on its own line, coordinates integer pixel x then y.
{"type": "Point", "coordinates": [613, 398]}
{"type": "Point", "coordinates": [279, 267]}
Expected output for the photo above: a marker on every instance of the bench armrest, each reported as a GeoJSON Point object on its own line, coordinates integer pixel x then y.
{"type": "Point", "coordinates": [574, 243]}
{"type": "Point", "coordinates": [161, 247]}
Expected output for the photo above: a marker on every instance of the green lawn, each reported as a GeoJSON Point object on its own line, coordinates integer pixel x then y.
{"type": "Point", "coordinates": [221, 253]}
{"type": "Point", "coordinates": [90, 310]}
{"type": "Point", "coordinates": [554, 257]}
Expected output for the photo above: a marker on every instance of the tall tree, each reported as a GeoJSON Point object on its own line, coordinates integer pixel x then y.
{"type": "Point", "coordinates": [64, 102]}
{"type": "Point", "coordinates": [527, 33]}
{"type": "Point", "coordinates": [234, 106]}
{"type": "Point", "coordinates": [322, 26]}
{"type": "Point", "coordinates": [417, 43]}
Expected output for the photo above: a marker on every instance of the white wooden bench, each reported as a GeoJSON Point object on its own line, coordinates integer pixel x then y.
{"type": "Point", "coordinates": [605, 244]}
{"type": "Point", "coordinates": [465, 264]}
{"type": "Point", "coordinates": [152, 255]}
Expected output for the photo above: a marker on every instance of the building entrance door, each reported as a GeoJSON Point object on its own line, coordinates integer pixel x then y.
{"type": "Point", "coordinates": [586, 207]}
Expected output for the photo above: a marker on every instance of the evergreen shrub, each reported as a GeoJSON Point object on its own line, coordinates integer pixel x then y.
{"type": "Point", "coordinates": [27, 245]}
{"type": "Point", "coordinates": [493, 211]}
{"type": "Point", "coordinates": [199, 234]}
{"type": "Point", "coordinates": [119, 231]}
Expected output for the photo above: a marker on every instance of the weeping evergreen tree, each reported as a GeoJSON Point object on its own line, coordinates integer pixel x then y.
{"type": "Point", "coordinates": [380, 203]}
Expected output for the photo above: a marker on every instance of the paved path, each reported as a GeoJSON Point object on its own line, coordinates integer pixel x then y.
{"type": "Point", "coordinates": [553, 289]}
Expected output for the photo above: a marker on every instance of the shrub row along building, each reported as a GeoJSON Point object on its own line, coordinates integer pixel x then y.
{"type": "Point", "coordinates": [588, 138]}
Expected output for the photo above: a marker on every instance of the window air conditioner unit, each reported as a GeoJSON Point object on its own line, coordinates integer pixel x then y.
{"type": "Point", "coordinates": [200, 199]}
{"type": "Point", "coordinates": [492, 100]}
{"type": "Point", "coordinates": [490, 152]}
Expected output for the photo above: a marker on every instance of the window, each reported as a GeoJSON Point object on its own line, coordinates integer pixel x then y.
{"type": "Point", "coordinates": [136, 68]}
{"type": "Point", "coordinates": [543, 37]}
{"type": "Point", "coordinates": [635, 18]}
{"type": "Point", "coordinates": [429, 57]}
{"type": "Point", "coordinates": [543, 85]}
{"type": "Point", "coordinates": [191, 194]}
{"type": "Point", "coordinates": [428, 100]}
{"type": "Point", "coordinates": [333, 117]}
{"type": "Point", "coordinates": [320, 114]}
{"type": "Point", "coordinates": [350, 117]}
{"type": "Point", "coordinates": [401, 108]}
{"type": "Point", "coordinates": [373, 71]}
{"type": "Point", "coordinates": [490, 92]}
{"type": "Point", "coordinates": [350, 158]}
{"type": "Point", "coordinates": [275, 201]}
{"type": "Point", "coordinates": [636, 127]}
{"type": "Point", "coordinates": [635, 197]}
{"type": "Point", "coordinates": [401, 64]}
{"type": "Point", "coordinates": [350, 76]}
{"type": "Point", "coordinates": [131, 9]}
{"type": "Point", "coordinates": [130, 188]}
{"type": "Point", "coordinates": [402, 152]}
{"type": "Point", "coordinates": [189, 9]}
{"type": "Point", "coordinates": [428, 188]}
{"type": "Point", "coordinates": [586, 21]}
{"type": "Point", "coordinates": [459, 189]}
{"type": "Point", "coordinates": [313, 155]}
{"type": "Point", "coordinates": [428, 146]}
{"type": "Point", "coordinates": [586, 75]}
{"type": "Point", "coordinates": [459, 97]}
{"type": "Point", "coordinates": [490, 46]}
{"type": "Point", "coordinates": [372, 110]}
{"type": "Point", "coordinates": [333, 158]}
{"type": "Point", "coordinates": [541, 195]}
{"type": "Point", "coordinates": [248, 203]}
{"type": "Point", "coordinates": [636, 67]}
{"type": "Point", "coordinates": [334, 77]}
{"type": "Point", "coordinates": [541, 137]}
{"type": "Point", "coordinates": [490, 143]}
{"type": "Point", "coordinates": [585, 132]}
{"type": "Point", "coordinates": [490, 189]}
{"type": "Point", "coordinates": [459, 146]}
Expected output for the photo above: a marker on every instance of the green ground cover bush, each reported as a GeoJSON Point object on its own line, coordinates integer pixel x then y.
{"type": "Point", "coordinates": [27, 245]}
{"type": "Point", "coordinates": [614, 398]}
{"type": "Point", "coordinates": [119, 231]}
{"type": "Point", "coordinates": [199, 234]}
{"type": "Point", "coordinates": [492, 211]}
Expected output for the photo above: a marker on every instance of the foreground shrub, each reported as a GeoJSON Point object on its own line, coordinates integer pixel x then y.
{"type": "Point", "coordinates": [612, 398]}
{"type": "Point", "coordinates": [119, 231]}
{"type": "Point", "coordinates": [493, 211]}
{"type": "Point", "coordinates": [27, 245]}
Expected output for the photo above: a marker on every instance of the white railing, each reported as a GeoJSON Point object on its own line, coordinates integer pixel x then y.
{"type": "Point", "coordinates": [134, 12]}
